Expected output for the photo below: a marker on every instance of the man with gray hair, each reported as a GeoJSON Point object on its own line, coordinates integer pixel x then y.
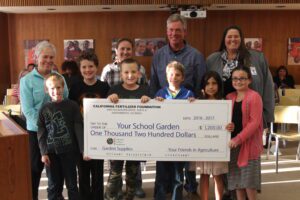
{"type": "Point", "coordinates": [177, 49]}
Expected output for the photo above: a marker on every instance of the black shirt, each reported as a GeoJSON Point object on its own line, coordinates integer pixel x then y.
{"type": "Point", "coordinates": [81, 90]}
{"type": "Point", "coordinates": [237, 117]}
{"type": "Point", "coordinates": [130, 94]}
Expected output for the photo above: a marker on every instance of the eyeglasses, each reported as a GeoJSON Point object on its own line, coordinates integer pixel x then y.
{"type": "Point", "coordinates": [242, 79]}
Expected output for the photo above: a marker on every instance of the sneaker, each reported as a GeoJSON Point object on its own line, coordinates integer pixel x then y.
{"type": "Point", "coordinates": [140, 193]}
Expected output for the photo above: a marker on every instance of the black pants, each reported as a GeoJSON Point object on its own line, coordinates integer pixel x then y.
{"type": "Point", "coordinates": [91, 190]}
{"type": "Point", "coordinates": [36, 164]}
{"type": "Point", "coordinates": [62, 166]}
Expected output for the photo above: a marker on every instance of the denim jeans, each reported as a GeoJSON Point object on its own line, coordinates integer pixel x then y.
{"type": "Point", "coordinates": [62, 166]}
{"type": "Point", "coordinates": [162, 180]}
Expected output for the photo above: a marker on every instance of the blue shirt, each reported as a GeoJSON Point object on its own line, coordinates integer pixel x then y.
{"type": "Point", "coordinates": [33, 96]}
{"type": "Point", "coordinates": [182, 94]}
{"type": "Point", "coordinates": [190, 57]}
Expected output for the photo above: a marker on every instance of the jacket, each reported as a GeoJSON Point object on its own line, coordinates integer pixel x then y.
{"type": "Point", "coordinates": [262, 81]}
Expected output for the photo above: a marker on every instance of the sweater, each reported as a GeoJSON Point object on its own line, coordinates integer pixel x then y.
{"type": "Point", "coordinates": [250, 138]}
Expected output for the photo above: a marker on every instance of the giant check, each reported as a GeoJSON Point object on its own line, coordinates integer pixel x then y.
{"type": "Point", "coordinates": [172, 130]}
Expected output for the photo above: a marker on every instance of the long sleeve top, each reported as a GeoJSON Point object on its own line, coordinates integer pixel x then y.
{"type": "Point", "coordinates": [250, 138]}
{"type": "Point", "coordinates": [33, 96]}
{"type": "Point", "coordinates": [60, 128]}
{"type": "Point", "coordinates": [192, 60]}
{"type": "Point", "coordinates": [111, 74]}
{"type": "Point", "coordinates": [262, 81]}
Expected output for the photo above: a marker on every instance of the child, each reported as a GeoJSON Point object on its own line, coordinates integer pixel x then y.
{"type": "Point", "coordinates": [246, 143]}
{"type": "Point", "coordinates": [129, 89]}
{"type": "Point", "coordinates": [212, 89]}
{"type": "Point", "coordinates": [60, 137]}
{"type": "Point", "coordinates": [89, 87]}
{"type": "Point", "coordinates": [175, 77]}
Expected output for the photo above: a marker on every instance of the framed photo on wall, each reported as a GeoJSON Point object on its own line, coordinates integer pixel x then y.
{"type": "Point", "coordinates": [74, 47]}
{"type": "Point", "coordinates": [293, 51]}
{"type": "Point", "coordinates": [147, 47]}
{"type": "Point", "coordinates": [29, 49]}
{"type": "Point", "coordinates": [254, 43]}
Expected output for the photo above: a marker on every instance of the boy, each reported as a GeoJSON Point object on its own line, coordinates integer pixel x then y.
{"type": "Point", "coordinates": [129, 89]}
{"type": "Point", "coordinates": [173, 170]}
{"type": "Point", "coordinates": [90, 171]}
{"type": "Point", "coordinates": [60, 137]}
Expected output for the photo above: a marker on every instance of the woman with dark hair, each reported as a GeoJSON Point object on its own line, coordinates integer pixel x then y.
{"type": "Point", "coordinates": [283, 79]}
{"type": "Point", "coordinates": [231, 54]}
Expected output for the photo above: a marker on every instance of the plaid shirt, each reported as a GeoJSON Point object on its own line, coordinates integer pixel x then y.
{"type": "Point", "coordinates": [111, 75]}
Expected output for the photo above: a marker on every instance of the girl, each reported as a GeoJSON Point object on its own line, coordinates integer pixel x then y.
{"type": "Point", "coordinates": [212, 89]}
{"type": "Point", "coordinates": [246, 139]}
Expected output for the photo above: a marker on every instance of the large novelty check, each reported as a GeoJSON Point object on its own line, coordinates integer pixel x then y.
{"type": "Point", "coordinates": [172, 130]}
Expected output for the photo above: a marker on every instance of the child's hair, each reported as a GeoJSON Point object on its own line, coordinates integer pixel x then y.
{"type": "Point", "coordinates": [282, 67]}
{"type": "Point", "coordinates": [243, 68]}
{"type": "Point", "coordinates": [204, 81]}
{"type": "Point", "coordinates": [130, 61]}
{"type": "Point", "coordinates": [30, 64]}
{"type": "Point", "coordinates": [90, 56]}
{"type": "Point", "coordinates": [54, 77]}
{"type": "Point", "coordinates": [71, 65]}
{"type": "Point", "coordinates": [175, 65]}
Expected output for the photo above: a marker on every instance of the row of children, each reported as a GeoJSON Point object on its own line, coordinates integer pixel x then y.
{"type": "Point", "coordinates": [60, 133]}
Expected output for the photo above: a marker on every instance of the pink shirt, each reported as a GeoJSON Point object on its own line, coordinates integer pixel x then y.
{"type": "Point", "coordinates": [250, 138]}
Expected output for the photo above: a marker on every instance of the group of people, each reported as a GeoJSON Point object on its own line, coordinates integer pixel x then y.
{"type": "Point", "coordinates": [178, 71]}
{"type": "Point", "coordinates": [147, 47]}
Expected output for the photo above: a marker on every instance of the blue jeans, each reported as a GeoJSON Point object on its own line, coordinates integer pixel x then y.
{"type": "Point", "coordinates": [62, 166]}
{"type": "Point", "coordinates": [162, 180]}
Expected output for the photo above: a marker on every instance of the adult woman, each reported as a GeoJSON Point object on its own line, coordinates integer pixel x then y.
{"type": "Point", "coordinates": [233, 52]}
{"type": "Point", "coordinates": [33, 96]}
{"type": "Point", "coordinates": [111, 72]}
{"type": "Point", "coordinates": [283, 79]}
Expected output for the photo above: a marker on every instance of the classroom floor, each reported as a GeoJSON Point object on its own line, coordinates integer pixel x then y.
{"type": "Point", "coordinates": [284, 185]}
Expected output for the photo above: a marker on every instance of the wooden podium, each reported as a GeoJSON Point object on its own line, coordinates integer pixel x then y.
{"type": "Point", "coordinates": [15, 178]}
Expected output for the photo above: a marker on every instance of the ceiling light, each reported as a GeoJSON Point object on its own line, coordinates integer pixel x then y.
{"type": "Point", "coordinates": [51, 9]}
{"type": "Point", "coordinates": [106, 8]}
{"type": "Point", "coordinates": [220, 6]}
{"type": "Point", "coordinates": [280, 6]}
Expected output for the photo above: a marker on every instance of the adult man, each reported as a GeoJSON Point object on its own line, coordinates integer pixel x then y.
{"type": "Point", "coordinates": [177, 49]}
{"type": "Point", "coordinates": [194, 63]}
